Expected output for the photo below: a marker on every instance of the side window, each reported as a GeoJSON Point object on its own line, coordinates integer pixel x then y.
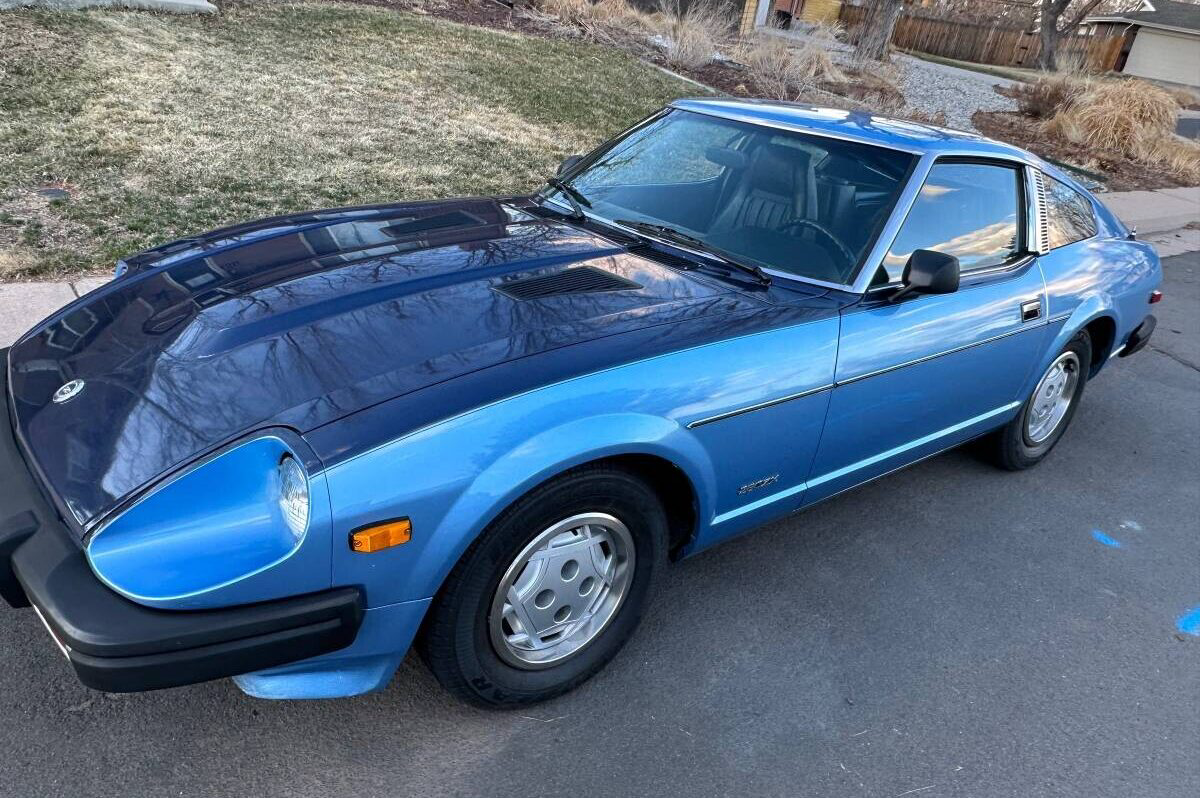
{"type": "Point", "coordinates": [969, 210]}
{"type": "Point", "coordinates": [1069, 216]}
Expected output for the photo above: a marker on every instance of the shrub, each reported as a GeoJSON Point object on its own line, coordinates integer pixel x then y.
{"type": "Point", "coordinates": [1045, 96]}
{"type": "Point", "coordinates": [691, 35]}
{"type": "Point", "coordinates": [1133, 118]}
{"type": "Point", "coordinates": [875, 85]}
{"type": "Point", "coordinates": [1116, 115]}
{"type": "Point", "coordinates": [783, 70]}
{"type": "Point", "coordinates": [1185, 98]}
{"type": "Point", "coordinates": [1175, 154]}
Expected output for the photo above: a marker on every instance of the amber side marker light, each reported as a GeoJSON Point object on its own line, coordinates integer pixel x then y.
{"type": "Point", "coordinates": [377, 537]}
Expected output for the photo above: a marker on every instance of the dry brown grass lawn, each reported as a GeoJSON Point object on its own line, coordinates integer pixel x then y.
{"type": "Point", "coordinates": [160, 126]}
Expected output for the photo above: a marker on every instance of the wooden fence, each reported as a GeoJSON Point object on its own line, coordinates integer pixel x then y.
{"type": "Point", "coordinates": [984, 44]}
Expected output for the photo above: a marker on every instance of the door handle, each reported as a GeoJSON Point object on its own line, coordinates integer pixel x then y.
{"type": "Point", "coordinates": [1031, 310]}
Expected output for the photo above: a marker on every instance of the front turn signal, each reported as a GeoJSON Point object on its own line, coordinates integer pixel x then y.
{"type": "Point", "coordinates": [377, 537]}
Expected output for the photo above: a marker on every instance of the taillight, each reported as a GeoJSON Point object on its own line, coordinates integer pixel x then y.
{"type": "Point", "coordinates": [1155, 296]}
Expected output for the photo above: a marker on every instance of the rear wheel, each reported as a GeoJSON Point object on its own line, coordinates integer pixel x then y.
{"type": "Point", "coordinates": [1045, 416]}
{"type": "Point", "coordinates": [550, 591]}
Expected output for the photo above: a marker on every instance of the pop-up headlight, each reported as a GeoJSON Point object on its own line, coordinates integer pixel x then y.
{"type": "Point", "coordinates": [230, 518]}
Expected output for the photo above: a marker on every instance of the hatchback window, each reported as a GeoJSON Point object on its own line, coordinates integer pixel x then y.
{"type": "Point", "coordinates": [1069, 215]}
{"type": "Point", "coordinates": [968, 210]}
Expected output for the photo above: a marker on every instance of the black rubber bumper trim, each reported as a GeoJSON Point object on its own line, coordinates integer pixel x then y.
{"type": "Point", "coordinates": [1140, 337]}
{"type": "Point", "coordinates": [118, 645]}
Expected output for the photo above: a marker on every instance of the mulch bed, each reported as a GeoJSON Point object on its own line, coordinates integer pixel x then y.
{"type": "Point", "coordinates": [1117, 172]}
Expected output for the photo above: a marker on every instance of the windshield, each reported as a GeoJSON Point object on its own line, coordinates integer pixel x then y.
{"type": "Point", "coordinates": [789, 202]}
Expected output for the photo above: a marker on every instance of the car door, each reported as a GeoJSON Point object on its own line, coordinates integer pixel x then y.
{"type": "Point", "coordinates": [924, 373]}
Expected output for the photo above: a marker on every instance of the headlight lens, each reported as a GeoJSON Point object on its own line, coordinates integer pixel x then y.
{"type": "Point", "coordinates": [293, 495]}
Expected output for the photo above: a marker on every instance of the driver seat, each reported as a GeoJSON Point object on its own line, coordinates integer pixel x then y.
{"type": "Point", "coordinates": [774, 188]}
{"type": "Point", "coordinates": [777, 186]}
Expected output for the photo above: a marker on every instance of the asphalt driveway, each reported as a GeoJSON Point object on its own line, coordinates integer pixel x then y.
{"type": "Point", "coordinates": [951, 630]}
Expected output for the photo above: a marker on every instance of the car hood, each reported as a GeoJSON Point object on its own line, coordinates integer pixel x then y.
{"type": "Point", "coordinates": [299, 321]}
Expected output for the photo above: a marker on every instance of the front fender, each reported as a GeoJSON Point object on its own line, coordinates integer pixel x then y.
{"type": "Point", "coordinates": [550, 453]}
{"type": "Point", "coordinates": [450, 499]}
{"type": "Point", "coordinates": [453, 477]}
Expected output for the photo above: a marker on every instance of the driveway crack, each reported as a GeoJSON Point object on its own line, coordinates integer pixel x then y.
{"type": "Point", "coordinates": [1180, 360]}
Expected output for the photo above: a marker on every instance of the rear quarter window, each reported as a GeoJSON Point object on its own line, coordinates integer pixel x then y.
{"type": "Point", "coordinates": [1069, 216]}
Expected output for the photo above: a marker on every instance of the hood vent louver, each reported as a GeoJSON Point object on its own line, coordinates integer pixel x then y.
{"type": "Point", "coordinates": [581, 280]}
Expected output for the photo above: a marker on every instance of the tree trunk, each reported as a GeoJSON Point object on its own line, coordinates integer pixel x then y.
{"type": "Point", "coordinates": [1048, 35]}
{"type": "Point", "coordinates": [877, 28]}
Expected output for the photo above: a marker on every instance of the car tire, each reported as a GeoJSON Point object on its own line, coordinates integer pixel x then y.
{"type": "Point", "coordinates": [473, 638]}
{"type": "Point", "coordinates": [1028, 438]}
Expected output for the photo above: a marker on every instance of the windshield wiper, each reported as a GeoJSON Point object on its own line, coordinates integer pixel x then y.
{"type": "Point", "coordinates": [679, 237]}
{"type": "Point", "coordinates": [573, 195]}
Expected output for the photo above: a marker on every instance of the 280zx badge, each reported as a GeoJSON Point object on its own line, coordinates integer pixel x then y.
{"type": "Point", "coordinates": [758, 483]}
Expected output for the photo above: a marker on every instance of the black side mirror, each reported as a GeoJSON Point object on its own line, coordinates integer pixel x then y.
{"type": "Point", "coordinates": [928, 272]}
{"type": "Point", "coordinates": [568, 163]}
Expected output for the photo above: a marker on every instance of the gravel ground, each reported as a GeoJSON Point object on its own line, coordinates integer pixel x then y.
{"type": "Point", "coordinates": [931, 88]}
{"type": "Point", "coordinates": [957, 93]}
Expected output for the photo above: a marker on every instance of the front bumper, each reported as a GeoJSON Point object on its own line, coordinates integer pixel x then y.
{"type": "Point", "coordinates": [119, 646]}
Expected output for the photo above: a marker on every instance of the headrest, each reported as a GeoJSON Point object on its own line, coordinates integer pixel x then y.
{"type": "Point", "coordinates": [774, 168]}
{"type": "Point", "coordinates": [727, 157]}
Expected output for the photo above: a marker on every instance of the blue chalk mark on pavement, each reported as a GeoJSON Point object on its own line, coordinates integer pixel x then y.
{"type": "Point", "coordinates": [1105, 539]}
{"type": "Point", "coordinates": [1190, 622]}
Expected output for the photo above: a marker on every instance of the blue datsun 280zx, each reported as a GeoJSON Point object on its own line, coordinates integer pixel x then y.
{"type": "Point", "coordinates": [285, 450]}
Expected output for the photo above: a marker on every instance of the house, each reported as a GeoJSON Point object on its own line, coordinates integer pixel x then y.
{"type": "Point", "coordinates": [787, 13]}
{"type": "Point", "coordinates": [810, 11]}
{"type": "Point", "coordinates": [1162, 40]}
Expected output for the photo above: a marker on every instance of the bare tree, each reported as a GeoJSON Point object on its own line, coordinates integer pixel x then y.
{"type": "Point", "coordinates": [875, 32]}
{"type": "Point", "coordinates": [1059, 18]}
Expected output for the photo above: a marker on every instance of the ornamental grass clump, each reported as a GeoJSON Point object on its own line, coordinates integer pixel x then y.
{"type": "Point", "coordinates": [1133, 118]}
{"type": "Point", "coordinates": [783, 70]}
{"type": "Point", "coordinates": [692, 35]}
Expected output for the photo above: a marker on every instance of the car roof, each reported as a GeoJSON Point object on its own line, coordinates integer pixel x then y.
{"type": "Point", "coordinates": [916, 137]}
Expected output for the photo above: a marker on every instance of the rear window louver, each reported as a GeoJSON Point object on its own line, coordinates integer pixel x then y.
{"type": "Point", "coordinates": [580, 280]}
{"type": "Point", "coordinates": [1040, 212]}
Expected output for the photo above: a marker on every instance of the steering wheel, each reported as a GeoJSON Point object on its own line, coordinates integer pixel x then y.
{"type": "Point", "coordinates": [850, 257]}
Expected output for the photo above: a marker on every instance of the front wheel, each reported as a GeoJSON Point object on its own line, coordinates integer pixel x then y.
{"type": "Point", "coordinates": [550, 592]}
{"type": "Point", "coordinates": [1045, 416]}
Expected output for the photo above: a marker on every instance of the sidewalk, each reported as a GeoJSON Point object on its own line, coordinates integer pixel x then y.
{"type": "Point", "coordinates": [1158, 216]}
{"type": "Point", "coordinates": [1155, 211]}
